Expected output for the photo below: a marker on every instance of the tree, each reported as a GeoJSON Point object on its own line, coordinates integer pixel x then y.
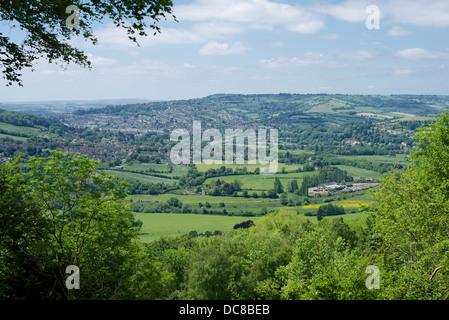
{"type": "Point", "coordinates": [320, 213]}
{"type": "Point", "coordinates": [85, 221]}
{"type": "Point", "coordinates": [20, 223]}
{"type": "Point", "coordinates": [322, 268]}
{"type": "Point", "coordinates": [236, 185]}
{"type": "Point", "coordinates": [272, 194]}
{"type": "Point", "coordinates": [283, 199]}
{"type": "Point", "coordinates": [215, 192]}
{"type": "Point", "coordinates": [278, 188]}
{"type": "Point", "coordinates": [48, 28]}
{"type": "Point", "coordinates": [411, 212]}
{"type": "Point", "coordinates": [174, 202]}
{"type": "Point", "coordinates": [293, 186]}
{"type": "Point", "coordinates": [18, 213]}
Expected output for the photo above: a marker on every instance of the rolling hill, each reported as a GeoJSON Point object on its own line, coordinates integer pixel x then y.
{"type": "Point", "coordinates": [272, 110]}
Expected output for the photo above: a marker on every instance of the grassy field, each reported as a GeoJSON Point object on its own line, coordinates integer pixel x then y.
{"type": "Point", "coordinates": [235, 205]}
{"type": "Point", "coordinates": [162, 168]}
{"type": "Point", "coordinates": [13, 137]}
{"type": "Point", "coordinates": [261, 182]}
{"type": "Point", "coordinates": [156, 225]}
{"type": "Point", "coordinates": [12, 129]}
{"type": "Point", "coordinates": [140, 177]}
{"type": "Point", "coordinates": [398, 159]}
{"type": "Point", "coordinates": [356, 172]}
{"type": "Point", "coordinates": [195, 199]}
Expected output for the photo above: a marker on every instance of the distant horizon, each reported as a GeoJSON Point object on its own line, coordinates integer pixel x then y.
{"type": "Point", "coordinates": [209, 95]}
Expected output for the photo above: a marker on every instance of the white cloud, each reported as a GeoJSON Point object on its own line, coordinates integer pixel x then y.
{"type": "Point", "coordinates": [255, 14]}
{"type": "Point", "coordinates": [331, 37]}
{"type": "Point", "coordinates": [420, 53]}
{"type": "Point", "coordinates": [222, 20]}
{"type": "Point", "coordinates": [402, 70]}
{"type": "Point", "coordinates": [398, 32]}
{"type": "Point", "coordinates": [350, 11]}
{"type": "Point", "coordinates": [433, 13]}
{"type": "Point", "coordinates": [100, 61]}
{"type": "Point", "coordinates": [216, 20]}
{"type": "Point", "coordinates": [217, 29]}
{"type": "Point", "coordinates": [117, 37]}
{"type": "Point", "coordinates": [187, 65]}
{"type": "Point", "coordinates": [308, 59]}
{"type": "Point", "coordinates": [223, 49]}
{"type": "Point", "coordinates": [358, 55]}
{"type": "Point", "coordinates": [306, 27]}
{"type": "Point", "coordinates": [277, 44]}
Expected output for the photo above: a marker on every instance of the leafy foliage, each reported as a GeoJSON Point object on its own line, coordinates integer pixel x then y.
{"type": "Point", "coordinates": [412, 208]}
{"type": "Point", "coordinates": [82, 220]}
{"type": "Point", "coordinates": [47, 33]}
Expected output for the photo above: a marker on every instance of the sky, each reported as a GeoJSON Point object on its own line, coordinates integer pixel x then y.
{"type": "Point", "coordinates": [257, 47]}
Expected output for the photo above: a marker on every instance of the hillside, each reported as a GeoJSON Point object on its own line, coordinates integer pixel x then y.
{"type": "Point", "coordinates": [321, 124]}
{"type": "Point", "coordinates": [282, 110]}
{"type": "Point", "coordinates": [19, 126]}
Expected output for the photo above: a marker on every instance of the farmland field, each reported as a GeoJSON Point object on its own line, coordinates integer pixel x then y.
{"type": "Point", "coordinates": [195, 199]}
{"type": "Point", "coordinates": [260, 182]}
{"type": "Point", "coordinates": [156, 225]}
{"type": "Point", "coordinates": [140, 177]}
{"type": "Point", "coordinates": [354, 171]}
{"type": "Point", "coordinates": [160, 168]}
{"type": "Point", "coordinates": [398, 159]}
{"type": "Point", "coordinates": [22, 130]}
{"type": "Point", "coordinates": [355, 202]}
{"type": "Point", "coordinates": [12, 137]}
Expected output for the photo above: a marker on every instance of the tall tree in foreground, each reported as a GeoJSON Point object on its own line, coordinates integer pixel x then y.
{"type": "Point", "coordinates": [46, 32]}
{"type": "Point", "coordinates": [84, 221]}
{"type": "Point", "coordinates": [412, 211]}
{"type": "Point", "coordinates": [19, 222]}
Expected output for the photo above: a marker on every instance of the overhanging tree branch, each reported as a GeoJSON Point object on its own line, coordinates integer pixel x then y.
{"type": "Point", "coordinates": [44, 22]}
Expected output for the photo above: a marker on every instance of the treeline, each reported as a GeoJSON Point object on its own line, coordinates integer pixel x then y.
{"type": "Point", "coordinates": [349, 138]}
{"type": "Point", "coordinates": [368, 165]}
{"type": "Point", "coordinates": [329, 210]}
{"type": "Point", "coordinates": [196, 178]}
{"type": "Point", "coordinates": [178, 207]}
{"type": "Point", "coordinates": [174, 205]}
{"type": "Point", "coordinates": [324, 175]}
{"type": "Point", "coordinates": [138, 187]}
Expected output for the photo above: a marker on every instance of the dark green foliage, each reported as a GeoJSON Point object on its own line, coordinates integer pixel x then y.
{"type": "Point", "coordinates": [330, 210]}
{"type": "Point", "coordinates": [278, 188]}
{"type": "Point", "coordinates": [62, 212]}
